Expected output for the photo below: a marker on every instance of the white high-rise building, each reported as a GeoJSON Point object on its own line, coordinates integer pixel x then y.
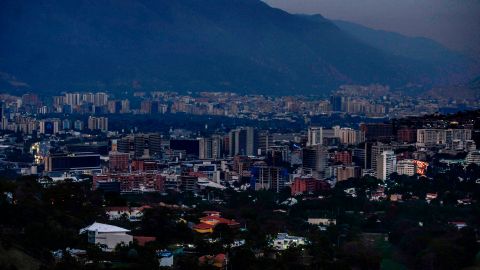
{"type": "Point", "coordinates": [315, 136]}
{"type": "Point", "coordinates": [72, 99]}
{"type": "Point", "coordinates": [386, 164]}
{"type": "Point", "coordinates": [348, 135]}
{"type": "Point", "coordinates": [443, 137]}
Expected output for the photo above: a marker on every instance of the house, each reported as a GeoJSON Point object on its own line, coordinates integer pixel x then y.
{"type": "Point", "coordinates": [283, 241]}
{"type": "Point", "coordinates": [212, 219]}
{"type": "Point", "coordinates": [108, 236]}
{"type": "Point", "coordinates": [165, 258]}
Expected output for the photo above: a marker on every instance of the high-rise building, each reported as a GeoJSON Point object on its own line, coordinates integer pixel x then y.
{"type": "Point", "coordinates": [154, 144]}
{"type": "Point", "coordinates": [430, 137]}
{"type": "Point", "coordinates": [406, 167]}
{"type": "Point", "coordinates": [114, 106]}
{"type": "Point", "coordinates": [243, 141]}
{"type": "Point", "coordinates": [377, 131]}
{"type": "Point", "coordinates": [49, 126]}
{"type": "Point", "coordinates": [314, 136]}
{"type": "Point", "coordinates": [205, 148]}
{"type": "Point", "coordinates": [386, 165]}
{"type": "Point", "coordinates": [407, 135]}
{"type": "Point", "coordinates": [98, 123]}
{"type": "Point", "coordinates": [442, 137]}
{"type": "Point", "coordinates": [125, 106]}
{"type": "Point", "coordinates": [66, 124]}
{"type": "Point", "coordinates": [358, 157]}
{"type": "Point", "coordinates": [376, 150]}
{"type": "Point", "coordinates": [118, 162]}
{"type": "Point", "coordinates": [124, 145]}
{"type": "Point", "coordinates": [100, 99]}
{"type": "Point", "coordinates": [344, 157]}
{"type": "Point", "coordinates": [473, 157]}
{"type": "Point", "coordinates": [268, 178]}
{"type": "Point", "coordinates": [346, 172]}
{"type": "Point", "coordinates": [315, 160]}
{"type": "Point", "coordinates": [349, 136]}
{"type": "Point", "coordinates": [139, 145]}
{"type": "Point", "coordinates": [265, 139]}
{"type": "Point", "coordinates": [336, 103]}
{"type": "Point", "coordinates": [210, 148]}
{"type": "Point", "coordinates": [78, 125]}
{"type": "Point", "coordinates": [72, 99]}
{"type": "Point", "coordinates": [320, 136]}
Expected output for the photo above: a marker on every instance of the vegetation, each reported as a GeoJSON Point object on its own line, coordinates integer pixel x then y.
{"type": "Point", "coordinates": [369, 234]}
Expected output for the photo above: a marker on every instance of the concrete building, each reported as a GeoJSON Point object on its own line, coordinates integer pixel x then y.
{"type": "Point", "coordinates": [268, 178]}
{"type": "Point", "coordinates": [315, 160]}
{"type": "Point", "coordinates": [349, 136]}
{"type": "Point", "coordinates": [442, 137]}
{"type": "Point", "coordinates": [108, 236]}
{"type": "Point", "coordinates": [376, 150]}
{"type": "Point", "coordinates": [386, 165]}
{"type": "Point", "coordinates": [243, 141]}
{"type": "Point", "coordinates": [210, 148]}
{"type": "Point", "coordinates": [346, 172]}
{"type": "Point", "coordinates": [118, 162]}
{"type": "Point", "coordinates": [473, 157]}
{"type": "Point", "coordinates": [98, 123]}
{"type": "Point", "coordinates": [406, 167]}
{"type": "Point", "coordinates": [302, 185]}
{"type": "Point", "coordinates": [49, 126]}
{"type": "Point", "coordinates": [284, 241]}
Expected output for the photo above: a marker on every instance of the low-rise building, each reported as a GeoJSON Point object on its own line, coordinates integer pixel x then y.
{"type": "Point", "coordinates": [107, 236]}
{"type": "Point", "coordinates": [284, 241]}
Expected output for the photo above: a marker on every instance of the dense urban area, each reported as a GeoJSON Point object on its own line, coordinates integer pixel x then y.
{"type": "Point", "coordinates": [365, 178]}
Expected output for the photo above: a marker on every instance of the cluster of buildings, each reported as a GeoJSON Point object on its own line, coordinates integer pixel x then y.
{"type": "Point", "coordinates": [370, 101]}
{"type": "Point", "coordinates": [307, 161]}
{"type": "Point", "coordinates": [245, 157]}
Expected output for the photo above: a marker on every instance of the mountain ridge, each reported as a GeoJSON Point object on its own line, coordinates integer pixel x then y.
{"type": "Point", "coordinates": [238, 45]}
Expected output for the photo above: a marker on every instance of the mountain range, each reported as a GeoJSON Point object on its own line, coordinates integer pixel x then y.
{"type": "Point", "coordinates": [245, 46]}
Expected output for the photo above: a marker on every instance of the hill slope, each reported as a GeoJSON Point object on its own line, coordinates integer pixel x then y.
{"type": "Point", "coordinates": [239, 45]}
{"type": "Point", "coordinates": [438, 57]}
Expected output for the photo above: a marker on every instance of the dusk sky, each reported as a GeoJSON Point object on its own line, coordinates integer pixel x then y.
{"type": "Point", "coordinates": [454, 23]}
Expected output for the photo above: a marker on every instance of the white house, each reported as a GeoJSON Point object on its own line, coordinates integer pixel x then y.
{"type": "Point", "coordinates": [165, 258]}
{"type": "Point", "coordinates": [108, 236]}
{"type": "Point", "coordinates": [284, 241]}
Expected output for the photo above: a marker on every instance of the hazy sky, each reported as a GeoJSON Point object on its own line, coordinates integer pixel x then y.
{"type": "Point", "coordinates": [454, 23]}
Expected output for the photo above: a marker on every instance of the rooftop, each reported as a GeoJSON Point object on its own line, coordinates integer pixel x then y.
{"type": "Point", "coordinates": [103, 228]}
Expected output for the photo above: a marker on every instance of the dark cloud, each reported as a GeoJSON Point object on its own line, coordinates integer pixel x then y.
{"type": "Point", "coordinates": [454, 23]}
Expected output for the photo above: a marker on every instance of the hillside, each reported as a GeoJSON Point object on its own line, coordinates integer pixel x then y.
{"type": "Point", "coordinates": [245, 46]}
